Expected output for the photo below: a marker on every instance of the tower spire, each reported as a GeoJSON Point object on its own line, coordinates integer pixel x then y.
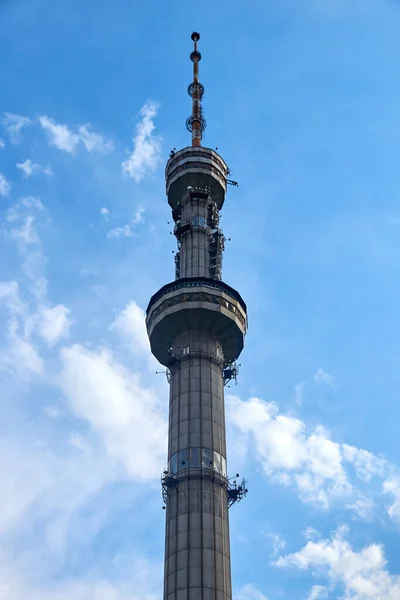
{"type": "Point", "coordinates": [196, 122]}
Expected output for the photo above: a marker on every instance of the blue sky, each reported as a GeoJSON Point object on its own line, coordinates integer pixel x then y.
{"type": "Point", "coordinates": [302, 99]}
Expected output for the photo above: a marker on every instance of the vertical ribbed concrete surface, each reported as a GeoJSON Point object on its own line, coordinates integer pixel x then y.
{"type": "Point", "coordinates": [195, 243]}
{"type": "Point", "coordinates": [197, 559]}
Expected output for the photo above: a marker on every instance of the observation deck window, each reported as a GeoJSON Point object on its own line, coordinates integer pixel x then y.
{"type": "Point", "coordinates": [183, 460]}
{"type": "Point", "coordinates": [174, 464]}
{"type": "Point", "coordinates": [223, 466]}
{"type": "Point", "coordinates": [206, 458]}
{"type": "Point", "coordinates": [197, 458]}
{"type": "Point", "coordinates": [217, 462]}
{"type": "Point", "coordinates": [198, 221]}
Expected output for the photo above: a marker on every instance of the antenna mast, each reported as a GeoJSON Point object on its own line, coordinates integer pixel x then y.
{"type": "Point", "coordinates": [196, 123]}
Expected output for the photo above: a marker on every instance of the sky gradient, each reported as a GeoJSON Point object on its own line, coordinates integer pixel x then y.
{"type": "Point", "coordinates": [302, 101]}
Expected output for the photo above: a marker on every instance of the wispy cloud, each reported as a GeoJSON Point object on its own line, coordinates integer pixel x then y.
{"type": "Point", "coordinates": [59, 135]}
{"type": "Point", "coordinates": [63, 138]}
{"type": "Point", "coordinates": [2, 143]}
{"type": "Point", "coordinates": [105, 213]}
{"type": "Point", "coordinates": [33, 319]}
{"type": "Point", "coordinates": [146, 153]}
{"type": "Point", "coordinates": [52, 323]}
{"type": "Point", "coordinates": [124, 231]}
{"type": "Point", "coordinates": [277, 541]}
{"type": "Point", "coordinates": [30, 168]}
{"type": "Point", "coordinates": [322, 377]}
{"type": "Point", "coordinates": [87, 378]}
{"type": "Point", "coordinates": [317, 591]}
{"type": "Point", "coordinates": [130, 325]}
{"type": "Point", "coordinates": [249, 592]}
{"type": "Point", "coordinates": [20, 355]}
{"type": "Point", "coordinates": [128, 229]}
{"type": "Point", "coordinates": [94, 142]}
{"type": "Point", "coordinates": [5, 186]}
{"type": "Point", "coordinates": [13, 124]}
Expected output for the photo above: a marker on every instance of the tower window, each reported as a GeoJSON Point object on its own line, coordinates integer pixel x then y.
{"type": "Point", "coordinates": [198, 221]}
{"type": "Point", "coordinates": [194, 458]}
{"type": "Point", "coordinates": [183, 460]}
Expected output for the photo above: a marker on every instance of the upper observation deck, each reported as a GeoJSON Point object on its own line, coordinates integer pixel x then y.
{"type": "Point", "coordinates": [195, 167]}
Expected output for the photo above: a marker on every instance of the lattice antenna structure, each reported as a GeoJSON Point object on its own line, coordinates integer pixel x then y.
{"type": "Point", "coordinates": [196, 123]}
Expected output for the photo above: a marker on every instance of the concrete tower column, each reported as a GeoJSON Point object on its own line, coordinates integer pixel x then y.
{"type": "Point", "coordinates": [197, 559]}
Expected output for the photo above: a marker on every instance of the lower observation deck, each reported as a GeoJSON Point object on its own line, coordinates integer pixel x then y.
{"type": "Point", "coordinates": [235, 491]}
{"type": "Point", "coordinates": [201, 304]}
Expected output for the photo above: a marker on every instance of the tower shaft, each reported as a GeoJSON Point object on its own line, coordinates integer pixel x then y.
{"type": "Point", "coordinates": [196, 325]}
{"type": "Point", "coordinates": [197, 555]}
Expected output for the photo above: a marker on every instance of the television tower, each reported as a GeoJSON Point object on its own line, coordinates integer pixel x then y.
{"type": "Point", "coordinates": [196, 326]}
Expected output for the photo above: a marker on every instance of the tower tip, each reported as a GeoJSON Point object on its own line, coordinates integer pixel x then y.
{"type": "Point", "coordinates": [196, 122]}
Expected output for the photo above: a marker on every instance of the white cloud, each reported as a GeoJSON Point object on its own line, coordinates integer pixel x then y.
{"type": "Point", "coordinates": [363, 573]}
{"type": "Point", "coordinates": [249, 592]}
{"type": "Point", "coordinates": [53, 412]}
{"type": "Point", "coordinates": [138, 218]}
{"type": "Point", "coordinates": [21, 485]}
{"type": "Point", "coordinates": [77, 590]}
{"type": "Point", "coordinates": [113, 436]}
{"type": "Point", "coordinates": [127, 230]}
{"type": "Point", "coordinates": [105, 213]}
{"type": "Point", "coordinates": [29, 245]}
{"type": "Point", "coordinates": [313, 463]}
{"type": "Point", "coordinates": [126, 416]}
{"type": "Point", "coordinates": [59, 135]}
{"type": "Point", "coordinates": [311, 533]}
{"type": "Point", "coordinates": [19, 581]}
{"type": "Point", "coordinates": [32, 202]}
{"type": "Point", "coordinates": [365, 464]}
{"type": "Point", "coordinates": [363, 508]}
{"type": "Point", "coordinates": [2, 143]}
{"type": "Point", "coordinates": [9, 293]}
{"type": "Point", "coordinates": [317, 591]}
{"type": "Point", "coordinates": [54, 323]}
{"type": "Point", "coordinates": [124, 231]}
{"type": "Point", "coordinates": [26, 235]}
{"type": "Point", "coordinates": [94, 142]}
{"type": "Point", "coordinates": [20, 355]}
{"type": "Point", "coordinates": [33, 318]}
{"type": "Point", "coordinates": [49, 491]}
{"type": "Point", "coordinates": [322, 377]}
{"type": "Point", "coordinates": [146, 153]}
{"type": "Point", "coordinates": [63, 138]}
{"type": "Point", "coordinates": [5, 186]}
{"type": "Point", "coordinates": [321, 470]}
{"type": "Point", "coordinates": [22, 219]}
{"type": "Point", "coordinates": [277, 541]}
{"type": "Point", "coordinates": [130, 325]}
{"type": "Point", "coordinates": [392, 486]}
{"type": "Point", "coordinates": [13, 124]}
{"type": "Point", "coordinates": [29, 168]}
